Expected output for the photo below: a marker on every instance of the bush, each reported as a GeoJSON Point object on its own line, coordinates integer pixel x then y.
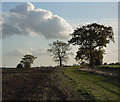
{"type": "Point", "coordinates": [105, 63]}
{"type": "Point", "coordinates": [117, 63]}
{"type": "Point", "coordinates": [19, 65]}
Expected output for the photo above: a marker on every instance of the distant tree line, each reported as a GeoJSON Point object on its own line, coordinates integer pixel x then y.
{"type": "Point", "coordinates": [117, 63]}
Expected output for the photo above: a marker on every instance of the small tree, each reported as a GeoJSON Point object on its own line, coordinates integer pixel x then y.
{"type": "Point", "coordinates": [91, 39]}
{"type": "Point", "coordinates": [27, 60]}
{"type": "Point", "coordinates": [60, 51]}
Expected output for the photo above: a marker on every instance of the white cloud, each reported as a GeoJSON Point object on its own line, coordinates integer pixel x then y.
{"type": "Point", "coordinates": [21, 52]}
{"type": "Point", "coordinates": [38, 52]}
{"type": "Point", "coordinates": [25, 20]}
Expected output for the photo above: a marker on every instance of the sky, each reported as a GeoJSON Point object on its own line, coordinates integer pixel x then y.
{"type": "Point", "coordinates": [30, 26]}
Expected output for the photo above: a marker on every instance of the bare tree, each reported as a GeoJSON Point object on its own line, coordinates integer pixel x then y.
{"type": "Point", "coordinates": [59, 51]}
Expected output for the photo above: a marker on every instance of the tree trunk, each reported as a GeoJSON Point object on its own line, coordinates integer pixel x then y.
{"type": "Point", "coordinates": [91, 59]}
{"type": "Point", "coordinates": [60, 61]}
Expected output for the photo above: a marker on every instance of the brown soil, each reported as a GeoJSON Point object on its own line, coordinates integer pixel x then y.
{"type": "Point", "coordinates": [36, 84]}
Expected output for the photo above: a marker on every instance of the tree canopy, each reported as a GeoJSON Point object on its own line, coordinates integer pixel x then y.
{"type": "Point", "coordinates": [91, 39]}
{"type": "Point", "coordinates": [59, 51]}
{"type": "Point", "coordinates": [27, 60]}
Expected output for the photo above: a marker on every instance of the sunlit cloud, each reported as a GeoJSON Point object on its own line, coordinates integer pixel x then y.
{"type": "Point", "coordinates": [26, 20]}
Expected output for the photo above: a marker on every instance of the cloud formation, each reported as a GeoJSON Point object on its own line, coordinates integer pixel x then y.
{"type": "Point", "coordinates": [25, 20]}
{"type": "Point", "coordinates": [21, 52]}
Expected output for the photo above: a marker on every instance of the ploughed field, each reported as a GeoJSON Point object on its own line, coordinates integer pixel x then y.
{"type": "Point", "coordinates": [59, 83]}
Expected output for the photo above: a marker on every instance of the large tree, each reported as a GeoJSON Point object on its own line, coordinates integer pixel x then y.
{"type": "Point", "coordinates": [91, 39]}
{"type": "Point", "coordinates": [59, 51]}
{"type": "Point", "coordinates": [27, 60]}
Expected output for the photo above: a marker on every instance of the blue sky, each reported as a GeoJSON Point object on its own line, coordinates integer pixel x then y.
{"type": "Point", "coordinates": [74, 10]}
{"type": "Point", "coordinates": [75, 14]}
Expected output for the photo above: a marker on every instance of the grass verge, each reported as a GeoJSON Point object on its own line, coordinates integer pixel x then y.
{"type": "Point", "coordinates": [92, 86]}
